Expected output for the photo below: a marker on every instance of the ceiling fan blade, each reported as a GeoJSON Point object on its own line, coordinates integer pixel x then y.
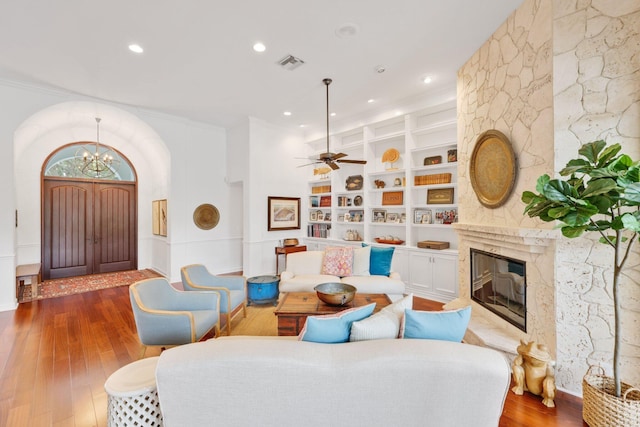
{"type": "Point", "coordinates": [308, 164]}
{"type": "Point", "coordinates": [357, 162]}
{"type": "Point", "coordinates": [333, 165]}
{"type": "Point", "coordinates": [338, 156]}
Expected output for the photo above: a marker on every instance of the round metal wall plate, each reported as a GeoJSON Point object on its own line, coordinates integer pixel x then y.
{"type": "Point", "coordinates": [206, 216]}
{"type": "Point", "coordinates": [493, 168]}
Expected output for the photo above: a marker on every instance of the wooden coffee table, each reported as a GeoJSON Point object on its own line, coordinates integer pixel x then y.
{"type": "Point", "coordinates": [294, 308]}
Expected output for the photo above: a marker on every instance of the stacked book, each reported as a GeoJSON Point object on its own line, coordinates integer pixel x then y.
{"type": "Point", "coordinates": [321, 189]}
{"type": "Point", "coordinates": [436, 178]}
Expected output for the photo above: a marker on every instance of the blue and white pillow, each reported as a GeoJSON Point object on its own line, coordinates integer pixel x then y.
{"type": "Point", "coordinates": [436, 325]}
{"type": "Point", "coordinates": [334, 328]}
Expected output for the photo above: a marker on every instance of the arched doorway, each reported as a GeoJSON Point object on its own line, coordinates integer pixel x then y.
{"type": "Point", "coordinates": [89, 215]}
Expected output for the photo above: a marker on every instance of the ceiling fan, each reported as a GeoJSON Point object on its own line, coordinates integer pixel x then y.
{"type": "Point", "coordinates": [329, 158]}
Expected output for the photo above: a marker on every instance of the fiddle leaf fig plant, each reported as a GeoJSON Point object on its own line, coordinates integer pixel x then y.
{"type": "Point", "coordinates": [601, 193]}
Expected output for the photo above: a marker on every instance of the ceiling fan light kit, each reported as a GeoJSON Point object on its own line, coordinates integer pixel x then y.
{"type": "Point", "coordinates": [329, 158]}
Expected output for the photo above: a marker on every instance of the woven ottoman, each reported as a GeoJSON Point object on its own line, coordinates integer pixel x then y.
{"type": "Point", "coordinates": [132, 395]}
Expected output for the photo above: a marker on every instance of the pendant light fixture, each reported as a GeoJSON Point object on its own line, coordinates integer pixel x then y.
{"type": "Point", "coordinates": [97, 161]}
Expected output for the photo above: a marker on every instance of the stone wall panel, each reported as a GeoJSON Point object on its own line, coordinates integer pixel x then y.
{"type": "Point", "coordinates": [578, 71]}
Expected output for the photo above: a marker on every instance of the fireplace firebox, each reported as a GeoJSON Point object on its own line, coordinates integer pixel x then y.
{"type": "Point", "coordinates": [499, 284]}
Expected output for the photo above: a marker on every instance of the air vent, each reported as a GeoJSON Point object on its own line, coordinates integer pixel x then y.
{"type": "Point", "coordinates": [290, 62]}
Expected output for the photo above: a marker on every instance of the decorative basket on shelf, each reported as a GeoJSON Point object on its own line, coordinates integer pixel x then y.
{"type": "Point", "coordinates": [601, 407]}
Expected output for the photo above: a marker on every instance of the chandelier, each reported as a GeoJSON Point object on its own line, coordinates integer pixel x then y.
{"type": "Point", "coordinates": [97, 161]}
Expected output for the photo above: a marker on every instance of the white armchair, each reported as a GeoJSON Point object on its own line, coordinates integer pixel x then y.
{"type": "Point", "coordinates": [232, 289]}
{"type": "Point", "coordinates": [165, 316]}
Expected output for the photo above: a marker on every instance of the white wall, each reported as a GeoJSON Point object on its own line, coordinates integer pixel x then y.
{"type": "Point", "coordinates": [175, 159]}
{"type": "Point", "coordinates": [272, 171]}
{"type": "Point", "coordinates": [199, 153]}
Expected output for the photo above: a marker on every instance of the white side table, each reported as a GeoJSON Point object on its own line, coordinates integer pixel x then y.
{"type": "Point", "coordinates": [132, 395]}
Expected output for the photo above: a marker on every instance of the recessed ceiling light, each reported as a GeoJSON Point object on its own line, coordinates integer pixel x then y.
{"type": "Point", "coordinates": [287, 113]}
{"type": "Point", "coordinates": [371, 101]}
{"type": "Point", "coordinates": [259, 47]}
{"type": "Point", "coordinates": [332, 114]}
{"type": "Point", "coordinates": [347, 30]}
{"type": "Point", "coordinates": [136, 48]}
{"type": "Point", "coordinates": [427, 80]}
{"type": "Point", "coordinates": [303, 125]}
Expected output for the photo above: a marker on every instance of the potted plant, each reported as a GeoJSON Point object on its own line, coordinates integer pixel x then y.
{"type": "Point", "coordinates": [601, 193]}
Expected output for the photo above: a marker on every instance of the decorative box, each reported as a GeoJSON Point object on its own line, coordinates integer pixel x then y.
{"type": "Point", "coordinates": [392, 198]}
{"type": "Point", "coordinates": [433, 244]}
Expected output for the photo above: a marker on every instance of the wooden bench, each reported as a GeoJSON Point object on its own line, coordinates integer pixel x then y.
{"type": "Point", "coordinates": [28, 271]}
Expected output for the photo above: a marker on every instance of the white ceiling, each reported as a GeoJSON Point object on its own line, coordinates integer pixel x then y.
{"type": "Point", "coordinates": [199, 63]}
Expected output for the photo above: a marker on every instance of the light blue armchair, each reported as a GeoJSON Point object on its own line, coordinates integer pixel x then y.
{"type": "Point", "coordinates": [165, 316]}
{"type": "Point", "coordinates": [233, 289]}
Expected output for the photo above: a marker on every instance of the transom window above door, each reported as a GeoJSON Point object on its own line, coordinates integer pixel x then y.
{"type": "Point", "coordinates": [74, 161]}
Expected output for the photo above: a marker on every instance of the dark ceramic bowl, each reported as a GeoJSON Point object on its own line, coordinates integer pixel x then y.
{"type": "Point", "coordinates": [335, 293]}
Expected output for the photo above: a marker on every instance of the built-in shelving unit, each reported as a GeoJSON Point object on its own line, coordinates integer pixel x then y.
{"type": "Point", "coordinates": [411, 200]}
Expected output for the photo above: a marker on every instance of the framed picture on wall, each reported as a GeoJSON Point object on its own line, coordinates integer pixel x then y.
{"type": "Point", "coordinates": [283, 213]}
{"type": "Point", "coordinates": [159, 217]}
{"type": "Point", "coordinates": [163, 217]}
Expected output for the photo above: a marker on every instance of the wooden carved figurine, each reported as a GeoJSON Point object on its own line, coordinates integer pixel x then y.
{"type": "Point", "coordinates": [379, 183]}
{"type": "Point", "coordinates": [533, 372]}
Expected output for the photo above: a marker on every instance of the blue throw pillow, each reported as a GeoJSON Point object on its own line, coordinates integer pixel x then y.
{"type": "Point", "coordinates": [334, 328]}
{"type": "Point", "coordinates": [380, 260]}
{"type": "Point", "coordinates": [436, 325]}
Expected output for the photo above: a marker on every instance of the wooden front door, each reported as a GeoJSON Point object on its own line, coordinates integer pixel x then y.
{"type": "Point", "coordinates": [88, 227]}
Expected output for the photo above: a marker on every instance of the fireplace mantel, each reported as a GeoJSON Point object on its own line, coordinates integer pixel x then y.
{"type": "Point", "coordinates": [528, 240]}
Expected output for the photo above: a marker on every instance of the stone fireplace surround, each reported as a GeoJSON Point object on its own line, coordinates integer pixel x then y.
{"type": "Point", "coordinates": [555, 75]}
{"type": "Point", "coordinates": [534, 246]}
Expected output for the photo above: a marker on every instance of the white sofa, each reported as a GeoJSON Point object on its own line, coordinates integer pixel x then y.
{"type": "Point", "coordinates": [279, 381]}
{"type": "Point", "coordinates": [304, 271]}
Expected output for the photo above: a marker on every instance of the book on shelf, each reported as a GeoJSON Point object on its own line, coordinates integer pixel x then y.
{"type": "Point", "coordinates": [319, 230]}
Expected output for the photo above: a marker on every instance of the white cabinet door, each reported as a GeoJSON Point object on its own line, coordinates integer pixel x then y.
{"type": "Point", "coordinates": [445, 275]}
{"type": "Point", "coordinates": [433, 275]}
{"type": "Point", "coordinates": [420, 271]}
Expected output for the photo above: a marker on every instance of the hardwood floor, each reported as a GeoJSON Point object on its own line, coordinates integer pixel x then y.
{"type": "Point", "coordinates": [56, 354]}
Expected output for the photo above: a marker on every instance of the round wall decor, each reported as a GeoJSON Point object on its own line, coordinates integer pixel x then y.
{"type": "Point", "coordinates": [492, 168]}
{"type": "Point", "coordinates": [206, 216]}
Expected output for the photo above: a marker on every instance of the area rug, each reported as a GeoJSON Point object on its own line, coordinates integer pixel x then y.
{"type": "Point", "coordinates": [260, 321]}
{"type": "Point", "coordinates": [75, 285]}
